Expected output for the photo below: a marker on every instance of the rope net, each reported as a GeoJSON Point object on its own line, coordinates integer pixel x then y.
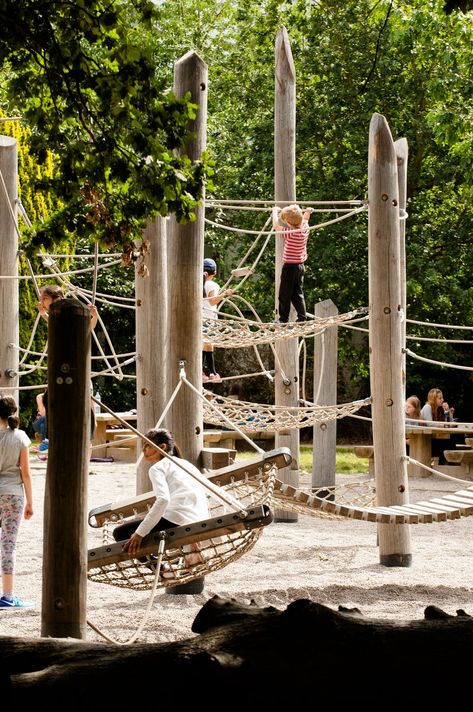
{"type": "Point", "coordinates": [250, 417]}
{"type": "Point", "coordinates": [231, 333]}
{"type": "Point", "coordinates": [252, 486]}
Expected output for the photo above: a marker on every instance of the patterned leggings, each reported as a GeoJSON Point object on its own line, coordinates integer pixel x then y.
{"type": "Point", "coordinates": [11, 510]}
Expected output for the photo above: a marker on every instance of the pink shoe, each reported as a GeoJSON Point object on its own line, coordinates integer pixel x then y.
{"type": "Point", "coordinates": [205, 378]}
{"type": "Point", "coordinates": [215, 378]}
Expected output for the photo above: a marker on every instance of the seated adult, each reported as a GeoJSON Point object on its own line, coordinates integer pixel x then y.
{"type": "Point", "coordinates": [413, 411]}
{"type": "Point", "coordinates": [438, 413]}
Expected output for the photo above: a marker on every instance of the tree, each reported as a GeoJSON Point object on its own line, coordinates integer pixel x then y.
{"type": "Point", "coordinates": [82, 75]}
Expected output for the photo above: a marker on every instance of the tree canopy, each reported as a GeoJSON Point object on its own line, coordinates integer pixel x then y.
{"type": "Point", "coordinates": [83, 76]}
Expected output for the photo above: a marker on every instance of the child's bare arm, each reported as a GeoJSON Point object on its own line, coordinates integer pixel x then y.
{"type": "Point", "coordinates": [307, 213]}
{"type": "Point", "coordinates": [276, 226]}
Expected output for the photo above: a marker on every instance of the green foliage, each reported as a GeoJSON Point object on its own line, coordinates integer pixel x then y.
{"type": "Point", "coordinates": [83, 76]}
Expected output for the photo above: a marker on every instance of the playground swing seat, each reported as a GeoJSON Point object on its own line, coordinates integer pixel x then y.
{"type": "Point", "coordinates": [193, 550]}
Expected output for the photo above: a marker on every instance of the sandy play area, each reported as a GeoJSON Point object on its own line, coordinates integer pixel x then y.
{"type": "Point", "coordinates": [331, 561]}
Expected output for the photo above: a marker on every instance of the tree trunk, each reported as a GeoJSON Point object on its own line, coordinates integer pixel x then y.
{"type": "Point", "coordinates": [264, 654]}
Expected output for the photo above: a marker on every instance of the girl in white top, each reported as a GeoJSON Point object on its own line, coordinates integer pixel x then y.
{"type": "Point", "coordinates": [180, 499]}
{"type": "Point", "coordinates": [15, 487]}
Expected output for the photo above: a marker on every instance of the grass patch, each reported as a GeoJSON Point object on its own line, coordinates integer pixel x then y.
{"type": "Point", "coordinates": [346, 461]}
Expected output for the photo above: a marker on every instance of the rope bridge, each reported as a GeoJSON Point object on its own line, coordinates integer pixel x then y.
{"type": "Point", "coordinates": [247, 416]}
{"type": "Point", "coordinates": [231, 333]}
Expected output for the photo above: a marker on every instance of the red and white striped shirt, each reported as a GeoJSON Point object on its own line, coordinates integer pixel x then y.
{"type": "Point", "coordinates": [295, 243]}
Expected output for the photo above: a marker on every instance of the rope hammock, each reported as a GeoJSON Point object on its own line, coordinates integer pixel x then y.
{"type": "Point", "coordinates": [234, 333]}
{"type": "Point", "coordinates": [193, 550]}
{"type": "Point", "coordinates": [247, 416]}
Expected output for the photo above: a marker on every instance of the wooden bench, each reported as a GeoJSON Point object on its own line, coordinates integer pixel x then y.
{"type": "Point", "coordinates": [366, 451]}
{"type": "Point", "coordinates": [462, 457]}
{"type": "Point", "coordinates": [126, 452]}
{"type": "Point", "coordinates": [214, 458]}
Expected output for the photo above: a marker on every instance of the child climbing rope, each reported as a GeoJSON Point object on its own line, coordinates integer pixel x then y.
{"type": "Point", "coordinates": [211, 298]}
{"type": "Point", "coordinates": [295, 231]}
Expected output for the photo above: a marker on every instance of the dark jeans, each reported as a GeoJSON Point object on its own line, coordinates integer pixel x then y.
{"type": "Point", "coordinates": [40, 426]}
{"type": "Point", "coordinates": [291, 292]}
{"type": "Point", "coordinates": [124, 531]}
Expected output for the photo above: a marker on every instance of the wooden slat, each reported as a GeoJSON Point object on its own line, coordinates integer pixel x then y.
{"type": "Point", "coordinates": [179, 536]}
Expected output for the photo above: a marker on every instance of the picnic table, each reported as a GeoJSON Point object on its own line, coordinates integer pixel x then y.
{"type": "Point", "coordinates": [420, 446]}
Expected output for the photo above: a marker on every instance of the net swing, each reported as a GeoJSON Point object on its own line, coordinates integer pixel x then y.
{"type": "Point", "coordinates": [194, 550]}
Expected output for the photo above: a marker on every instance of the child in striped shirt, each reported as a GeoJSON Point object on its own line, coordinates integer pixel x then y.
{"type": "Point", "coordinates": [295, 232]}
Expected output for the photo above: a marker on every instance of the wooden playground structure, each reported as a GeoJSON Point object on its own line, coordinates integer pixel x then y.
{"type": "Point", "coordinates": [169, 334]}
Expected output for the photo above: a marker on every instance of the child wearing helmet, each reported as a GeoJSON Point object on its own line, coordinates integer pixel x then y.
{"type": "Point", "coordinates": [211, 297]}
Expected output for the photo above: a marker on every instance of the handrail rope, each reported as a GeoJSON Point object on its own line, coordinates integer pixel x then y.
{"type": "Point", "coordinates": [254, 347]}
{"type": "Point", "coordinates": [224, 417]}
{"type": "Point", "coordinates": [277, 362]}
{"type": "Point", "coordinates": [321, 370]}
{"type": "Point", "coordinates": [76, 290]}
{"type": "Point", "coordinates": [437, 363]}
{"type": "Point", "coordinates": [70, 272]}
{"type": "Point", "coordinates": [49, 262]}
{"type": "Point", "coordinates": [208, 484]}
{"type": "Point", "coordinates": [303, 347]}
{"type": "Point", "coordinates": [152, 595]}
{"type": "Point", "coordinates": [23, 213]}
{"type": "Point", "coordinates": [246, 255]}
{"type": "Point", "coordinates": [311, 228]}
{"type": "Point", "coordinates": [411, 461]}
{"type": "Point", "coordinates": [35, 387]}
{"type": "Point", "coordinates": [40, 353]}
{"type": "Point", "coordinates": [269, 375]}
{"type": "Point", "coordinates": [223, 206]}
{"type": "Point", "coordinates": [164, 413]}
{"type": "Point", "coordinates": [96, 269]}
{"type": "Point", "coordinates": [55, 271]}
{"type": "Point", "coordinates": [30, 342]}
{"type": "Point", "coordinates": [289, 202]}
{"type": "Point", "coordinates": [111, 369]}
{"type": "Point", "coordinates": [360, 417]}
{"type": "Point", "coordinates": [111, 297]}
{"type": "Point", "coordinates": [440, 326]}
{"type": "Point", "coordinates": [331, 321]}
{"type": "Point", "coordinates": [439, 341]}
{"type": "Point", "coordinates": [415, 338]}
{"type": "Point", "coordinates": [10, 208]}
{"type": "Point", "coordinates": [83, 256]}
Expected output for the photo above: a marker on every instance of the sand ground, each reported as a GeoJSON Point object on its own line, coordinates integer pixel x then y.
{"type": "Point", "coordinates": [330, 561]}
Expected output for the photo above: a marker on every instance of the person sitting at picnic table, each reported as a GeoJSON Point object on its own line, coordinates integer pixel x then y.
{"type": "Point", "coordinates": [439, 414]}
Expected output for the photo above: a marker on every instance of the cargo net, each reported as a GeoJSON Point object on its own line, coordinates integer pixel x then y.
{"type": "Point", "coordinates": [248, 417]}
{"type": "Point", "coordinates": [200, 552]}
{"type": "Point", "coordinates": [236, 333]}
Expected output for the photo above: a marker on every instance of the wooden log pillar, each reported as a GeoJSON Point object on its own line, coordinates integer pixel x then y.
{"type": "Point", "coordinates": [185, 267]}
{"type": "Point", "coordinates": [64, 601]}
{"type": "Point", "coordinates": [152, 337]}
{"type": "Point", "coordinates": [385, 339]}
{"type": "Point", "coordinates": [402, 153]}
{"type": "Point", "coordinates": [325, 384]}
{"type": "Point", "coordinates": [286, 390]}
{"type": "Point", "coordinates": [9, 301]}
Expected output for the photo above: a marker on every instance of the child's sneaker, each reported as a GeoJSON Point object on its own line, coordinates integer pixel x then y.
{"type": "Point", "coordinates": [215, 378]}
{"type": "Point", "coordinates": [43, 446]}
{"type": "Point", "coordinates": [14, 602]}
{"type": "Point", "coordinates": [205, 378]}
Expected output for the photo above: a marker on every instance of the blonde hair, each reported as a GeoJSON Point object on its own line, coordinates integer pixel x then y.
{"type": "Point", "coordinates": [437, 411]}
{"type": "Point", "coordinates": [291, 214]}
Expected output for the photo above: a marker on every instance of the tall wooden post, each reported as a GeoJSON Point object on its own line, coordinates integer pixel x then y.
{"type": "Point", "coordinates": [286, 391]}
{"type": "Point", "coordinates": [185, 260]}
{"type": "Point", "coordinates": [401, 149]}
{"type": "Point", "coordinates": [9, 264]}
{"type": "Point", "coordinates": [152, 337]}
{"type": "Point", "coordinates": [385, 339]}
{"type": "Point", "coordinates": [325, 375]}
{"type": "Point", "coordinates": [65, 503]}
